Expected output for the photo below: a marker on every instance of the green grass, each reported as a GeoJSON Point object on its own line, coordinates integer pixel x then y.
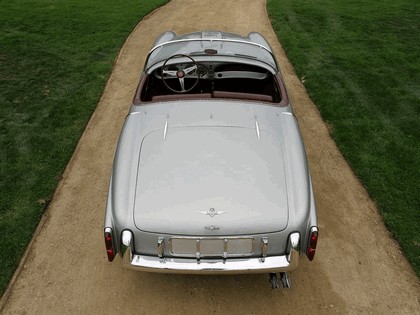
{"type": "Point", "coordinates": [55, 58]}
{"type": "Point", "coordinates": [361, 63]}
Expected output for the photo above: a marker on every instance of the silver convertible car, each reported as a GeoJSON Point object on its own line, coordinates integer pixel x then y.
{"type": "Point", "coordinates": [210, 173]}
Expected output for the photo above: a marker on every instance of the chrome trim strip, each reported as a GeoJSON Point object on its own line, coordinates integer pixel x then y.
{"type": "Point", "coordinates": [257, 128]}
{"type": "Point", "coordinates": [225, 249]}
{"type": "Point", "coordinates": [197, 249]}
{"type": "Point", "coordinates": [108, 230]}
{"type": "Point", "coordinates": [216, 266]}
{"type": "Point", "coordinates": [165, 130]}
{"type": "Point", "coordinates": [160, 247]}
{"type": "Point", "coordinates": [313, 229]}
{"type": "Point", "coordinates": [211, 40]}
{"type": "Point", "coordinates": [264, 248]}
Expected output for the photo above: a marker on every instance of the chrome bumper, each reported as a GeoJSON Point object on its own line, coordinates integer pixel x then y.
{"type": "Point", "coordinates": [210, 266]}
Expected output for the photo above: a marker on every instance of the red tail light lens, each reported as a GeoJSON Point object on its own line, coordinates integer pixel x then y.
{"type": "Point", "coordinates": [313, 240]}
{"type": "Point", "coordinates": [109, 245]}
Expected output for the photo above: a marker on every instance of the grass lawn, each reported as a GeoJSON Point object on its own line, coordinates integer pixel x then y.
{"type": "Point", "coordinates": [361, 63]}
{"type": "Point", "coordinates": [55, 58]}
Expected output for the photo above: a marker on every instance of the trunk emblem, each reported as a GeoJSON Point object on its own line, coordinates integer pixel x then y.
{"type": "Point", "coordinates": [211, 227]}
{"type": "Point", "coordinates": [212, 212]}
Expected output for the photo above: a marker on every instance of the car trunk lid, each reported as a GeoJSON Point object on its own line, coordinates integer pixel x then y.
{"type": "Point", "coordinates": [211, 180]}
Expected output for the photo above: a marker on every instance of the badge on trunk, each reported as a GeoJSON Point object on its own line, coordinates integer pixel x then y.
{"type": "Point", "coordinates": [212, 212]}
{"type": "Point", "coordinates": [211, 228]}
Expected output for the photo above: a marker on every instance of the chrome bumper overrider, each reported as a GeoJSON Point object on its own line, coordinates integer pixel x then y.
{"type": "Point", "coordinates": [210, 266]}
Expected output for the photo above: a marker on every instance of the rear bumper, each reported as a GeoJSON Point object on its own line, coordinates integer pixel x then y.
{"type": "Point", "coordinates": [211, 266]}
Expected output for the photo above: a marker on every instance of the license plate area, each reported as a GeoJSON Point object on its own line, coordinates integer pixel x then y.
{"type": "Point", "coordinates": [211, 247]}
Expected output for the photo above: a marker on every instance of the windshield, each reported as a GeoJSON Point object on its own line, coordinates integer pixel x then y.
{"type": "Point", "coordinates": [211, 47]}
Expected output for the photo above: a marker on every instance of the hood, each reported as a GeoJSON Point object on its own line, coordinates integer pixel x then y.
{"type": "Point", "coordinates": [210, 180]}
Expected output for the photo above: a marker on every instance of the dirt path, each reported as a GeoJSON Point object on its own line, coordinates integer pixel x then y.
{"type": "Point", "coordinates": [358, 267]}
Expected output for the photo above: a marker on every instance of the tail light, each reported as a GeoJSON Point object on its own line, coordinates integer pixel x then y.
{"type": "Point", "coordinates": [109, 244]}
{"type": "Point", "coordinates": [313, 240]}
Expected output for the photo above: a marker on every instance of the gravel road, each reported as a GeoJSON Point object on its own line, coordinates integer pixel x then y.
{"type": "Point", "coordinates": [358, 267]}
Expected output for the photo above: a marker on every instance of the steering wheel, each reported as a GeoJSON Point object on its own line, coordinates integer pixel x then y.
{"type": "Point", "coordinates": [180, 71]}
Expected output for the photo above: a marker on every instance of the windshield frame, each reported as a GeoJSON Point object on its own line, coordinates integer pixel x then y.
{"type": "Point", "coordinates": [270, 61]}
